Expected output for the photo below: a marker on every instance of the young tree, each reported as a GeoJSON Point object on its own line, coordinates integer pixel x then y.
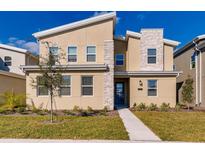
{"type": "Point", "coordinates": [187, 91]}
{"type": "Point", "coordinates": [50, 78]}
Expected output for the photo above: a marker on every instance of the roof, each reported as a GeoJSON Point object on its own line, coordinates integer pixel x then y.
{"type": "Point", "coordinates": [189, 44]}
{"type": "Point", "coordinates": [10, 74]}
{"type": "Point", "coordinates": [147, 73]}
{"type": "Point", "coordinates": [70, 67]}
{"type": "Point", "coordinates": [138, 35]}
{"type": "Point", "coordinates": [13, 48]}
{"type": "Point", "coordinates": [77, 24]}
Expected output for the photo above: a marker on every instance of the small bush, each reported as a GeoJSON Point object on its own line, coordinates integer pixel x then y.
{"type": "Point", "coordinates": [76, 109]}
{"type": "Point", "coordinates": [134, 105]}
{"type": "Point", "coordinates": [164, 107]}
{"type": "Point", "coordinates": [141, 107]}
{"type": "Point", "coordinates": [177, 107]}
{"type": "Point", "coordinates": [90, 110]}
{"type": "Point", "coordinates": [20, 109]}
{"type": "Point", "coordinates": [152, 107]}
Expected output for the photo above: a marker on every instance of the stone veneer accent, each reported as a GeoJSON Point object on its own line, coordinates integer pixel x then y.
{"type": "Point", "coordinates": [109, 75]}
{"type": "Point", "coordinates": [151, 38]}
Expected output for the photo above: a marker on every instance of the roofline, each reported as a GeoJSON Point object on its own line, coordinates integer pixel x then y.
{"type": "Point", "coordinates": [189, 44]}
{"type": "Point", "coordinates": [10, 74]}
{"type": "Point", "coordinates": [111, 15]}
{"type": "Point", "coordinates": [13, 48]}
{"type": "Point", "coordinates": [138, 35]}
{"type": "Point", "coordinates": [148, 73]}
{"type": "Point", "coordinates": [73, 67]}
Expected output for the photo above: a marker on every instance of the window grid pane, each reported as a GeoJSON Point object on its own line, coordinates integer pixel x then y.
{"type": "Point", "coordinates": [152, 87]}
{"type": "Point", "coordinates": [65, 85]}
{"type": "Point", "coordinates": [151, 56]}
{"type": "Point", "coordinates": [87, 85]}
{"type": "Point", "coordinates": [91, 54]}
{"type": "Point", "coordinates": [119, 59]}
{"type": "Point", "coordinates": [72, 54]}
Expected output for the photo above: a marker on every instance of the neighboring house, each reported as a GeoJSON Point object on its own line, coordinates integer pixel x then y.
{"type": "Point", "coordinates": [189, 59]}
{"type": "Point", "coordinates": [101, 70]}
{"type": "Point", "coordinates": [12, 82]}
{"type": "Point", "coordinates": [12, 78]}
{"type": "Point", "coordinates": [11, 58]}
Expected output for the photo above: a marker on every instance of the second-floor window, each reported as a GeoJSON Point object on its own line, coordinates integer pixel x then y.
{"type": "Point", "coordinates": [72, 54]}
{"type": "Point", "coordinates": [54, 52]}
{"type": "Point", "coordinates": [193, 61]}
{"type": "Point", "coordinates": [119, 59]}
{"type": "Point", "coordinates": [91, 53]}
{"type": "Point", "coordinates": [151, 56]}
{"type": "Point", "coordinates": [7, 61]}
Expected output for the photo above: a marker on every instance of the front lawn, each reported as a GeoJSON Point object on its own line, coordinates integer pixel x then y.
{"type": "Point", "coordinates": [175, 126]}
{"type": "Point", "coordinates": [67, 127]}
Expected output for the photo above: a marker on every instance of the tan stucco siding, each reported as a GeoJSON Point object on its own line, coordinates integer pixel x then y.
{"type": "Point", "coordinates": [120, 47]}
{"type": "Point", "coordinates": [133, 55]}
{"type": "Point", "coordinates": [168, 58]}
{"type": "Point", "coordinates": [93, 35]}
{"type": "Point", "coordinates": [9, 83]}
{"type": "Point", "coordinates": [68, 102]}
{"type": "Point", "coordinates": [166, 91]}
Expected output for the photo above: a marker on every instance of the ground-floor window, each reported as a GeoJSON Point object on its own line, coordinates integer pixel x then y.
{"type": "Point", "coordinates": [41, 89]}
{"type": "Point", "coordinates": [86, 85]}
{"type": "Point", "coordinates": [65, 85]}
{"type": "Point", "coordinates": [152, 87]}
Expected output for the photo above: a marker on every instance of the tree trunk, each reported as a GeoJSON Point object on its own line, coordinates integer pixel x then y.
{"type": "Point", "coordinates": [188, 107]}
{"type": "Point", "coordinates": [51, 107]}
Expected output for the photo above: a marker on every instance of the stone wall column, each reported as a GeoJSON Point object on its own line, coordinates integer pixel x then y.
{"type": "Point", "coordinates": [109, 74]}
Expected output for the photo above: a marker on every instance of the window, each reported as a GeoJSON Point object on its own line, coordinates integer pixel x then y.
{"type": "Point", "coordinates": [7, 61]}
{"type": "Point", "coordinates": [152, 87]}
{"type": "Point", "coordinates": [65, 85]}
{"type": "Point", "coordinates": [72, 54]}
{"type": "Point", "coordinates": [54, 52]}
{"type": "Point", "coordinates": [193, 61]}
{"type": "Point", "coordinates": [87, 85]}
{"type": "Point", "coordinates": [91, 54]}
{"type": "Point", "coordinates": [119, 59]}
{"type": "Point", "coordinates": [151, 56]}
{"type": "Point", "coordinates": [41, 89]}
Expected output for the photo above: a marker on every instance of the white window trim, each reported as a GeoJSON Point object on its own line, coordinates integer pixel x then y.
{"type": "Point", "coordinates": [123, 59]}
{"type": "Point", "coordinates": [37, 89]}
{"type": "Point", "coordinates": [86, 50]}
{"type": "Point", "coordinates": [148, 56]}
{"type": "Point", "coordinates": [68, 86]}
{"type": "Point", "coordinates": [152, 88]}
{"type": "Point", "coordinates": [76, 54]}
{"type": "Point", "coordinates": [191, 62]}
{"type": "Point", "coordinates": [87, 85]}
{"type": "Point", "coordinates": [5, 61]}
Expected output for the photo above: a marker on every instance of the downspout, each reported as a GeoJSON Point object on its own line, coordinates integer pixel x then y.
{"type": "Point", "coordinates": [200, 77]}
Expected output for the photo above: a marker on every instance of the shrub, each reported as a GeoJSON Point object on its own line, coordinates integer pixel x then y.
{"type": "Point", "coordinates": [76, 109]}
{"type": "Point", "coordinates": [178, 107]}
{"type": "Point", "coordinates": [141, 107]}
{"type": "Point", "coordinates": [152, 107]}
{"type": "Point", "coordinates": [164, 107]}
{"type": "Point", "coordinates": [90, 110]}
{"type": "Point", "coordinates": [20, 109]}
{"type": "Point", "coordinates": [134, 105]}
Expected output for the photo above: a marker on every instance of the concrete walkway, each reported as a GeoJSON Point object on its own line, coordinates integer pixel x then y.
{"type": "Point", "coordinates": [137, 131]}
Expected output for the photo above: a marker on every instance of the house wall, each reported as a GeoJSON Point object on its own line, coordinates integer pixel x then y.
{"type": "Point", "coordinates": [17, 60]}
{"type": "Point", "coordinates": [120, 47]}
{"type": "Point", "coordinates": [94, 34]}
{"type": "Point", "coordinates": [166, 91]}
{"type": "Point", "coordinates": [68, 102]}
{"type": "Point", "coordinates": [182, 63]}
{"type": "Point", "coordinates": [10, 82]}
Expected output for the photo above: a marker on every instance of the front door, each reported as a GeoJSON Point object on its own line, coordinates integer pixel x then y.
{"type": "Point", "coordinates": [119, 93]}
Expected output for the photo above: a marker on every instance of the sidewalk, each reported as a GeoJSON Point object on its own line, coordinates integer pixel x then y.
{"type": "Point", "coordinates": [137, 131]}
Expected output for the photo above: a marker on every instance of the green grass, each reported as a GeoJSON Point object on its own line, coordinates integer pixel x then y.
{"type": "Point", "coordinates": [176, 126]}
{"type": "Point", "coordinates": [38, 127]}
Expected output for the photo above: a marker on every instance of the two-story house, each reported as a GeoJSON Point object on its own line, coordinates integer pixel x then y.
{"type": "Point", "coordinates": [101, 70]}
{"type": "Point", "coordinates": [12, 78]}
{"type": "Point", "coordinates": [189, 59]}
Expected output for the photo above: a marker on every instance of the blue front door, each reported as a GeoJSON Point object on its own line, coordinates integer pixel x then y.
{"type": "Point", "coordinates": [119, 93]}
